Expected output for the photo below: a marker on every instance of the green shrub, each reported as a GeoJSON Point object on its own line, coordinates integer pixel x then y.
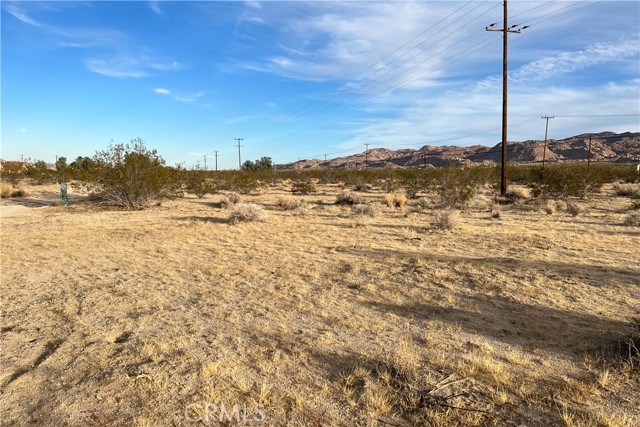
{"type": "Point", "coordinates": [303, 187]}
{"type": "Point", "coordinates": [455, 188]}
{"type": "Point", "coordinates": [132, 176]}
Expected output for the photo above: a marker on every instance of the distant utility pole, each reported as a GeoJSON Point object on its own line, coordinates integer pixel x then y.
{"type": "Point", "coordinates": [216, 156]}
{"type": "Point", "coordinates": [505, 32]}
{"type": "Point", "coordinates": [325, 159]}
{"type": "Point", "coordinates": [589, 155]}
{"type": "Point", "coordinates": [21, 158]}
{"type": "Point", "coordinates": [546, 129]}
{"type": "Point", "coordinates": [205, 161]}
{"type": "Point", "coordinates": [366, 156]}
{"type": "Point", "coordinates": [239, 161]}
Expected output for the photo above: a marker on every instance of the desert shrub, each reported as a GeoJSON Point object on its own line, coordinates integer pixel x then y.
{"type": "Point", "coordinates": [397, 200]}
{"type": "Point", "coordinates": [132, 176]}
{"type": "Point", "coordinates": [303, 187]}
{"type": "Point", "coordinates": [20, 192]}
{"type": "Point", "coordinates": [455, 188]}
{"type": "Point", "coordinates": [481, 203]}
{"type": "Point", "coordinates": [566, 180]}
{"type": "Point", "coordinates": [230, 200]}
{"type": "Point", "coordinates": [247, 212]}
{"type": "Point", "coordinates": [196, 182]}
{"type": "Point", "coordinates": [515, 194]}
{"type": "Point", "coordinates": [367, 211]}
{"type": "Point", "coordinates": [634, 206]}
{"type": "Point", "coordinates": [627, 190]}
{"type": "Point", "coordinates": [424, 203]}
{"type": "Point", "coordinates": [446, 219]}
{"type": "Point", "coordinates": [574, 209]}
{"type": "Point", "coordinates": [495, 212]}
{"type": "Point", "coordinates": [632, 219]}
{"type": "Point", "coordinates": [6, 190]}
{"type": "Point", "coordinates": [242, 182]}
{"type": "Point", "coordinates": [291, 203]}
{"type": "Point", "coordinates": [347, 198]}
{"type": "Point", "coordinates": [550, 207]}
{"type": "Point", "coordinates": [39, 173]}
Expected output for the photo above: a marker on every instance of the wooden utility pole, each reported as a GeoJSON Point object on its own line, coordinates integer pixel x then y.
{"type": "Point", "coordinates": [239, 161]}
{"type": "Point", "coordinates": [589, 154]}
{"type": "Point", "coordinates": [505, 71]}
{"type": "Point", "coordinates": [216, 156]}
{"type": "Point", "coordinates": [366, 156]}
{"type": "Point", "coordinates": [205, 161]}
{"type": "Point", "coordinates": [546, 129]}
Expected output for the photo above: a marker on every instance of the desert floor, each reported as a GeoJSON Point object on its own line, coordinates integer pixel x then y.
{"type": "Point", "coordinates": [171, 316]}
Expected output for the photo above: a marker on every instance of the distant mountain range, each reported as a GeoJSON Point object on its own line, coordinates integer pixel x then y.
{"type": "Point", "coordinates": [605, 146]}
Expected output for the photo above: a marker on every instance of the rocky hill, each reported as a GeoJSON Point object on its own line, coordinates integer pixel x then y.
{"type": "Point", "coordinates": [605, 146]}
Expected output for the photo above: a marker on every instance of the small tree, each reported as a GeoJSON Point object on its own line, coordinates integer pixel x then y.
{"type": "Point", "coordinates": [132, 176]}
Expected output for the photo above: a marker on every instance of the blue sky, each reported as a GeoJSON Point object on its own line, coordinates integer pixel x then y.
{"type": "Point", "coordinates": [304, 79]}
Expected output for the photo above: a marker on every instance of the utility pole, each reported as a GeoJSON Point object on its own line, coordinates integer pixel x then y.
{"type": "Point", "coordinates": [239, 161]}
{"type": "Point", "coordinates": [205, 161]}
{"type": "Point", "coordinates": [366, 156]}
{"type": "Point", "coordinates": [216, 156]}
{"type": "Point", "coordinates": [505, 71]}
{"type": "Point", "coordinates": [546, 129]}
{"type": "Point", "coordinates": [589, 155]}
{"type": "Point", "coordinates": [325, 159]}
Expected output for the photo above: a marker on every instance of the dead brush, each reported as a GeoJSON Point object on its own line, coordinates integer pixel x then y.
{"type": "Point", "coordinates": [403, 386]}
{"type": "Point", "coordinates": [574, 209]}
{"type": "Point", "coordinates": [6, 190]}
{"type": "Point", "coordinates": [247, 212]}
{"type": "Point", "coordinates": [295, 204]}
{"type": "Point", "coordinates": [396, 200]}
{"type": "Point", "coordinates": [348, 198]}
{"type": "Point", "coordinates": [632, 219]}
{"type": "Point", "coordinates": [230, 200]}
{"type": "Point", "coordinates": [446, 219]}
{"type": "Point", "coordinates": [364, 211]}
{"type": "Point", "coordinates": [627, 190]}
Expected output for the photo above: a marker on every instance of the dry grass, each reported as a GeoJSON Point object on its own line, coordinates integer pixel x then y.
{"type": "Point", "coordinates": [230, 200]}
{"type": "Point", "coordinates": [396, 200]}
{"type": "Point", "coordinates": [632, 219]}
{"type": "Point", "coordinates": [126, 318]}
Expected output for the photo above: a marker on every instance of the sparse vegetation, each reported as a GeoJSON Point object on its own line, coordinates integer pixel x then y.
{"type": "Point", "coordinates": [574, 209]}
{"type": "Point", "coordinates": [396, 200]}
{"type": "Point", "coordinates": [247, 212]}
{"type": "Point", "coordinates": [446, 219]}
{"type": "Point", "coordinates": [632, 219]}
{"type": "Point", "coordinates": [365, 211]}
{"type": "Point", "coordinates": [304, 187]}
{"type": "Point", "coordinates": [230, 200]}
{"type": "Point", "coordinates": [348, 198]}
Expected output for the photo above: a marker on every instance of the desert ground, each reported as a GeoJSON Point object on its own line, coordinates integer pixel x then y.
{"type": "Point", "coordinates": [172, 316]}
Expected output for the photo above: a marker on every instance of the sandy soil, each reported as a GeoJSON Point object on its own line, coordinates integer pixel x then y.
{"type": "Point", "coordinates": [144, 318]}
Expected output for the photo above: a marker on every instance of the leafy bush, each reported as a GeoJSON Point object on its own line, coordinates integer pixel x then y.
{"type": "Point", "coordinates": [247, 212]}
{"type": "Point", "coordinates": [447, 219]}
{"type": "Point", "coordinates": [347, 198]}
{"type": "Point", "coordinates": [39, 173]}
{"type": "Point", "coordinates": [455, 188]}
{"type": "Point", "coordinates": [303, 187]}
{"type": "Point", "coordinates": [196, 182]}
{"type": "Point", "coordinates": [132, 176]}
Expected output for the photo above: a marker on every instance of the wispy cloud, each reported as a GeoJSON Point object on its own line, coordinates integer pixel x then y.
{"type": "Point", "coordinates": [115, 67]}
{"type": "Point", "coordinates": [155, 6]}
{"type": "Point", "coordinates": [22, 130]}
{"type": "Point", "coordinates": [114, 53]}
{"type": "Point", "coordinates": [162, 91]}
{"type": "Point", "coordinates": [190, 97]}
{"type": "Point", "coordinates": [20, 14]}
{"type": "Point", "coordinates": [568, 62]}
